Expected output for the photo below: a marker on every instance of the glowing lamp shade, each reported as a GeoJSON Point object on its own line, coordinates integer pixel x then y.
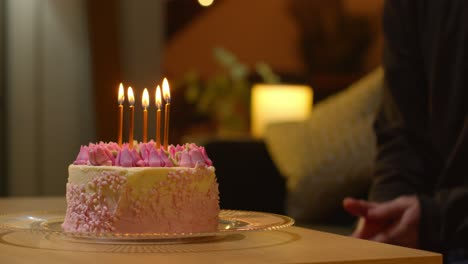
{"type": "Point", "coordinates": [205, 3]}
{"type": "Point", "coordinates": [278, 103]}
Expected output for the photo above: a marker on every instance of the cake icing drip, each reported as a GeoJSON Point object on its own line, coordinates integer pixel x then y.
{"type": "Point", "coordinates": [142, 155]}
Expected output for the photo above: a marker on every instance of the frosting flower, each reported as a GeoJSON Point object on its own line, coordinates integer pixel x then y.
{"type": "Point", "coordinates": [167, 161]}
{"type": "Point", "coordinates": [129, 158]}
{"type": "Point", "coordinates": [185, 160]}
{"type": "Point", "coordinates": [205, 156]}
{"type": "Point", "coordinates": [197, 157]}
{"type": "Point", "coordinates": [174, 150]}
{"type": "Point", "coordinates": [145, 150]}
{"type": "Point", "coordinates": [193, 157]}
{"type": "Point", "coordinates": [155, 159]}
{"type": "Point", "coordinates": [199, 150]}
{"type": "Point", "coordinates": [82, 157]}
{"type": "Point", "coordinates": [112, 147]}
{"type": "Point", "coordinates": [99, 155]}
{"type": "Point", "coordinates": [144, 154]}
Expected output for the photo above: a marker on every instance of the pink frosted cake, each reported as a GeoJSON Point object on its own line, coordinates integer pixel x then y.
{"type": "Point", "coordinates": [142, 190]}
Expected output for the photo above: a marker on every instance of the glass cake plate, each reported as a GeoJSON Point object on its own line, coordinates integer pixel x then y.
{"type": "Point", "coordinates": [230, 222]}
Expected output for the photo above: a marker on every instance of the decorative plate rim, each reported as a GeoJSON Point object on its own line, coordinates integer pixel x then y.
{"type": "Point", "coordinates": [225, 215]}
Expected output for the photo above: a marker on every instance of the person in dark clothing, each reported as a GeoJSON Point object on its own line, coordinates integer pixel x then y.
{"type": "Point", "coordinates": [419, 196]}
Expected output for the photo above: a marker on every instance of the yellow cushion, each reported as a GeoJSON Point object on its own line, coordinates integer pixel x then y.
{"type": "Point", "coordinates": [330, 155]}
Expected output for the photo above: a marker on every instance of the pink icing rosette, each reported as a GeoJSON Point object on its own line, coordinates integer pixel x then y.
{"type": "Point", "coordinates": [82, 157]}
{"type": "Point", "coordinates": [185, 159]}
{"type": "Point", "coordinates": [192, 158]}
{"type": "Point", "coordinates": [158, 158]}
{"type": "Point", "coordinates": [145, 150]}
{"type": "Point", "coordinates": [167, 161]}
{"type": "Point", "coordinates": [129, 158]}
{"type": "Point", "coordinates": [112, 147]}
{"type": "Point", "coordinates": [197, 157]}
{"type": "Point", "coordinates": [99, 155]}
{"type": "Point", "coordinates": [174, 150]}
{"type": "Point", "coordinates": [144, 154]}
{"type": "Point", "coordinates": [205, 156]}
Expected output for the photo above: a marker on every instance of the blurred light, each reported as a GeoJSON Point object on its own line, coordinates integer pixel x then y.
{"type": "Point", "coordinates": [279, 103]}
{"type": "Point", "coordinates": [205, 2]}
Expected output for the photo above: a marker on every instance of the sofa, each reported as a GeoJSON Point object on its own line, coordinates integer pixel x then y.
{"type": "Point", "coordinates": [305, 169]}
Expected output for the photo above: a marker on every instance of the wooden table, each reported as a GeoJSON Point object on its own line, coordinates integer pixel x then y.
{"type": "Point", "coordinates": [290, 245]}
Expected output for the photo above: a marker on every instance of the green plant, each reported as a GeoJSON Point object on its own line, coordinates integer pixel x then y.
{"type": "Point", "coordinates": [225, 97]}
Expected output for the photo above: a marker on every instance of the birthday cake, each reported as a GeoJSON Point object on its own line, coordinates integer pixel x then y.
{"type": "Point", "coordinates": [141, 189]}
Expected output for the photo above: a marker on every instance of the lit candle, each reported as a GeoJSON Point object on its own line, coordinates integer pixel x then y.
{"type": "Point", "coordinates": [167, 98]}
{"type": "Point", "coordinates": [131, 101]}
{"type": "Point", "coordinates": [121, 99]}
{"type": "Point", "coordinates": [158, 102]}
{"type": "Point", "coordinates": [145, 104]}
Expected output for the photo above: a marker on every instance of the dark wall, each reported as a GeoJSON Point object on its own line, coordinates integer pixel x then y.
{"type": "Point", "coordinates": [3, 182]}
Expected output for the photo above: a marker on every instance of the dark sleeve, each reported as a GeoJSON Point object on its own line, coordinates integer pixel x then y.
{"type": "Point", "coordinates": [404, 155]}
{"type": "Point", "coordinates": [405, 161]}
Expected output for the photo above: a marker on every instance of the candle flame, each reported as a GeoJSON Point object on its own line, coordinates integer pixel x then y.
{"type": "Point", "coordinates": [121, 96]}
{"type": "Point", "coordinates": [158, 97]}
{"type": "Point", "coordinates": [166, 92]}
{"type": "Point", "coordinates": [131, 97]}
{"type": "Point", "coordinates": [145, 99]}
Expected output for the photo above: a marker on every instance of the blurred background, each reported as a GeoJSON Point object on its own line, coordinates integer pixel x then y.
{"type": "Point", "coordinates": [61, 62]}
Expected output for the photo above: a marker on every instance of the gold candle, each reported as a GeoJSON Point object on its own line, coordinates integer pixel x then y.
{"type": "Point", "coordinates": [167, 98]}
{"type": "Point", "coordinates": [145, 104]}
{"type": "Point", "coordinates": [120, 99]}
{"type": "Point", "coordinates": [158, 102]}
{"type": "Point", "coordinates": [131, 101]}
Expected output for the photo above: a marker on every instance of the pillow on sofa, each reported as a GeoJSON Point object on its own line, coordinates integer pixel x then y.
{"type": "Point", "coordinates": [330, 155]}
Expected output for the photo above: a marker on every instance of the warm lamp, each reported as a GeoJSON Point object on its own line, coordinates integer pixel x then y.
{"type": "Point", "coordinates": [278, 103]}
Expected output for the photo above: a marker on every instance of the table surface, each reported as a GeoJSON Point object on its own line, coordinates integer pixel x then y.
{"type": "Point", "coordinates": [289, 245]}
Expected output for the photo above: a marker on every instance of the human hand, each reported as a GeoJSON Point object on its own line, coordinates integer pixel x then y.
{"type": "Point", "coordinates": [394, 222]}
